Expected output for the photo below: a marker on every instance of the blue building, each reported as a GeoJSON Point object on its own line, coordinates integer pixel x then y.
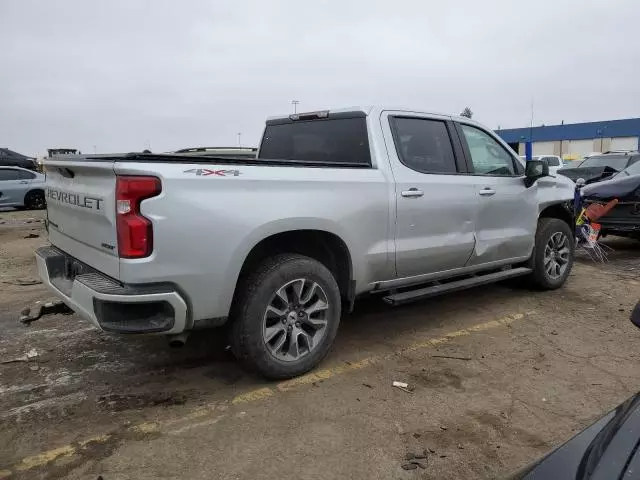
{"type": "Point", "coordinates": [572, 141]}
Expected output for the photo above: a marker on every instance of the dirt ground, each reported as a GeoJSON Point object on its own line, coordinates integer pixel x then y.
{"type": "Point", "coordinates": [501, 375]}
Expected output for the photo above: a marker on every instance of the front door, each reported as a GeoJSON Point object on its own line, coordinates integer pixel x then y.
{"type": "Point", "coordinates": [435, 200]}
{"type": "Point", "coordinates": [507, 214]}
{"type": "Point", "coordinates": [12, 187]}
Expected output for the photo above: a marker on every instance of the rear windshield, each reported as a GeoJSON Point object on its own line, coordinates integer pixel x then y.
{"type": "Point", "coordinates": [341, 140]}
{"type": "Point", "coordinates": [617, 162]}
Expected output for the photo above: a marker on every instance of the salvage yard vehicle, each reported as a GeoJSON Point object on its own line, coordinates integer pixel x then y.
{"type": "Point", "coordinates": [608, 448]}
{"type": "Point", "coordinates": [337, 204]}
{"type": "Point", "coordinates": [599, 167]}
{"type": "Point", "coordinates": [21, 188]}
{"type": "Point", "coordinates": [624, 218]}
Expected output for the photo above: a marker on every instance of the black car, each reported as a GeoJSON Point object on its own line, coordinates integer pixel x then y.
{"type": "Point", "coordinates": [600, 167]}
{"type": "Point", "coordinates": [609, 449]}
{"type": "Point", "coordinates": [624, 219]}
{"type": "Point", "coordinates": [9, 158]}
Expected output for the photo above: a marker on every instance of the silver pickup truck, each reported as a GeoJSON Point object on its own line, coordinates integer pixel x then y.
{"type": "Point", "coordinates": [337, 204]}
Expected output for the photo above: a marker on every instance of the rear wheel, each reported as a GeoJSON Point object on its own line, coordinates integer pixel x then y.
{"type": "Point", "coordinates": [34, 200]}
{"type": "Point", "coordinates": [552, 256]}
{"type": "Point", "coordinates": [286, 316]}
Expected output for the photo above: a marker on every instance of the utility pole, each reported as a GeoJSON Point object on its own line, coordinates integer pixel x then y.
{"type": "Point", "coordinates": [94, 149]}
{"type": "Point", "coordinates": [528, 148]}
{"type": "Point", "coordinates": [295, 105]}
{"type": "Point", "coordinates": [239, 139]}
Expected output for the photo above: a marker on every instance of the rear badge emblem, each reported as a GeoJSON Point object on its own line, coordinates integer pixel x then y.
{"type": "Point", "coordinates": [206, 172]}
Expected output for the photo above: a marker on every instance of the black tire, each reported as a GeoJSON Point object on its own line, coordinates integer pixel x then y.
{"type": "Point", "coordinates": [256, 294]}
{"type": "Point", "coordinates": [34, 200]}
{"type": "Point", "coordinates": [547, 228]}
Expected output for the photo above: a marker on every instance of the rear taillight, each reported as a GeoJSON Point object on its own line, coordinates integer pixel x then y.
{"type": "Point", "coordinates": [135, 232]}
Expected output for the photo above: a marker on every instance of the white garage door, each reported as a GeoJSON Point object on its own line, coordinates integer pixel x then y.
{"type": "Point", "coordinates": [543, 148]}
{"type": "Point", "coordinates": [577, 148]}
{"type": "Point", "coordinates": [624, 143]}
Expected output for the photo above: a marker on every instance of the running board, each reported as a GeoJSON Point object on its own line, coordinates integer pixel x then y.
{"type": "Point", "coordinates": [433, 290]}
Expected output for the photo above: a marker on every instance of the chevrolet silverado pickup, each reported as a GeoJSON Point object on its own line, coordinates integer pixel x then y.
{"type": "Point", "coordinates": [336, 204]}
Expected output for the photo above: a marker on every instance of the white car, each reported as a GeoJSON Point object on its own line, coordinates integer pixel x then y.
{"type": "Point", "coordinates": [555, 162]}
{"type": "Point", "coordinates": [21, 188]}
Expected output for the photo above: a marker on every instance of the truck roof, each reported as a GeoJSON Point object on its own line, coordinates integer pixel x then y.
{"type": "Point", "coordinates": [372, 110]}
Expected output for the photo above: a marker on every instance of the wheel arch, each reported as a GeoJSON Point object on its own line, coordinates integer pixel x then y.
{"type": "Point", "coordinates": [562, 211]}
{"type": "Point", "coordinates": [321, 245]}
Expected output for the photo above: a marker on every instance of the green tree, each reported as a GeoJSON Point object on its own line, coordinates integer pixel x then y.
{"type": "Point", "coordinates": [466, 112]}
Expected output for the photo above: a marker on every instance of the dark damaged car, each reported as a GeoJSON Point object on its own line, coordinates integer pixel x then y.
{"type": "Point", "coordinates": [624, 219]}
{"type": "Point", "coordinates": [600, 167]}
{"type": "Point", "coordinates": [608, 449]}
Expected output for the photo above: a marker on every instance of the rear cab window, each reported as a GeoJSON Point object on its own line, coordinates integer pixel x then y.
{"type": "Point", "coordinates": [338, 139]}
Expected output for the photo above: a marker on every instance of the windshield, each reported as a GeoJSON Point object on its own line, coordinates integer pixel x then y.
{"type": "Point", "coordinates": [617, 162]}
{"type": "Point", "coordinates": [632, 170]}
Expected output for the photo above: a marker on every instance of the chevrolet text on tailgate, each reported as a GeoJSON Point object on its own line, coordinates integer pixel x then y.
{"type": "Point", "coordinates": [337, 204]}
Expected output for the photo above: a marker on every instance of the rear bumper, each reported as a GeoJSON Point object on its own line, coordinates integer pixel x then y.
{"type": "Point", "coordinates": [108, 304]}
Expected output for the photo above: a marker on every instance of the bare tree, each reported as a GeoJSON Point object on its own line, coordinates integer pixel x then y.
{"type": "Point", "coordinates": [467, 112]}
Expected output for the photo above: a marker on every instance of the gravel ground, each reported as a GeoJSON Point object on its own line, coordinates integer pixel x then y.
{"type": "Point", "coordinates": [500, 375]}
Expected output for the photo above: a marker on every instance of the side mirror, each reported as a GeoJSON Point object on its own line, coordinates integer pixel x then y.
{"type": "Point", "coordinates": [534, 170]}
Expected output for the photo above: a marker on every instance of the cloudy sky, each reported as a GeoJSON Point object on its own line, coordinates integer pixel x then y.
{"type": "Point", "coordinates": [120, 74]}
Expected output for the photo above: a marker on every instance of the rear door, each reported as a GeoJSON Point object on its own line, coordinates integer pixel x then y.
{"type": "Point", "coordinates": [435, 200]}
{"type": "Point", "coordinates": [507, 214]}
{"type": "Point", "coordinates": [81, 211]}
{"type": "Point", "coordinates": [13, 187]}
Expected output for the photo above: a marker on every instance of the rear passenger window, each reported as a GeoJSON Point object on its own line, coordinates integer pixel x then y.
{"type": "Point", "coordinates": [424, 145]}
{"type": "Point", "coordinates": [24, 175]}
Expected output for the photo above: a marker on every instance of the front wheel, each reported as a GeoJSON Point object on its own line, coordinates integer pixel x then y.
{"type": "Point", "coordinates": [553, 253]}
{"type": "Point", "coordinates": [286, 316]}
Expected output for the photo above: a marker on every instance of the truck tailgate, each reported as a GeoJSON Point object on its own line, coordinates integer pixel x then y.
{"type": "Point", "coordinates": [81, 211]}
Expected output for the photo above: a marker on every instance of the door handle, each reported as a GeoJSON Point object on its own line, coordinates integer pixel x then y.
{"type": "Point", "coordinates": [487, 192]}
{"type": "Point", "coordinates": [412, 193]}
{"type": "Point", "coordinates": [24, 181]}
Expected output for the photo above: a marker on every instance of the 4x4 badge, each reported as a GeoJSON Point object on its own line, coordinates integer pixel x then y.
{"type": "Point", "coordinates": [205, 172]}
